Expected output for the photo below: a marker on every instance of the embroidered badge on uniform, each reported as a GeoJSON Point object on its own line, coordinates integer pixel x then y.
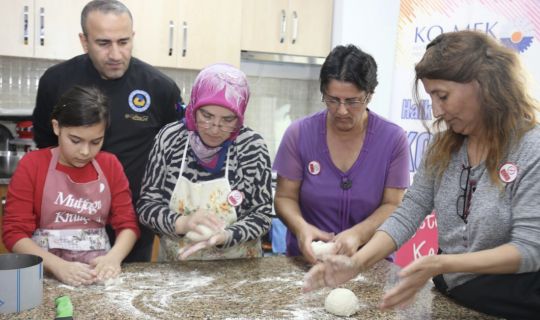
{"type": "Point", "coordinates": [139, 100]}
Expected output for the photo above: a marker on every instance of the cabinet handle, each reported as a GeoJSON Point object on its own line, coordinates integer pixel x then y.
{"type": "Point", "coordinates": [184, 41]}
{"type": "Point", "coordinates": [283, 26]}
{"type": "Point", "coordinates": [25, 25]}
{"type": "Point", "coordinates": [171, 37]}
{"type": "Point", "coordinates": [42, 26]}
{"type": "Point", "coordinates": [295, 27]}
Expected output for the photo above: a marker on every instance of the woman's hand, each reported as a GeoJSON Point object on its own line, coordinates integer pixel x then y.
{"type": "Point", "coordinates": [106, 267]}
{"type": "Point", "coordinates": [412, 279]}
{"type": "Point", "coordinates": [187, 223]}
{"type": "Point", "coordinates": [73, 273]}
{"type": "Point", "coordinates": [191, 248]}
{"type": "Point", "coordinates": [307, 235]}
{"type": "Point", "coordinates": [333, 271]}
{"type": "Point", "coordinates": [348, 242]}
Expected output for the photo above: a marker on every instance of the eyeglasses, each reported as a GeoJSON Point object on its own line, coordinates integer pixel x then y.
{"type": "Point", "coordinates": [206, 120]}
{"type": "Point", "coordinates": [348, 103]}
{"type": "Point", "coordinates": [468, 187]}
{"type": "Point", "coordinates": [207, 124]}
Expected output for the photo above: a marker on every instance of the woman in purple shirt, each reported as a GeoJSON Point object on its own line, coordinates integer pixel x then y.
{"type": "Point", "coordinates": [343, 170]}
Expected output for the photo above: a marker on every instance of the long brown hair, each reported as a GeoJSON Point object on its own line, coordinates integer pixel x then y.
{"type": "Point", "coordinates": [508, 112]}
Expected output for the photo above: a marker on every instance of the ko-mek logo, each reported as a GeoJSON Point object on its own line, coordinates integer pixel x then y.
{"type": "Point", "coordinates": [425, 34]}
{"type": "Point", "coordinates": [517, 41]}
{"type": "Point", "coordinates": [513, 38]}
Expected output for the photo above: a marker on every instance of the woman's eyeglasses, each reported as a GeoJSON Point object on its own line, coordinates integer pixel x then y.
{"type": "Point", "coordinates": [207, 124]}
{"type": "Point", "coordinates": [468, 187]}
{"type": "Point", "coordinates": [206, 120]}
{"type": "Point", "coordinates": [348, 103]}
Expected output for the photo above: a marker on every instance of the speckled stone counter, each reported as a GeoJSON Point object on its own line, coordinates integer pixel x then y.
{"type": "Point", "coordinates": [265, 288]}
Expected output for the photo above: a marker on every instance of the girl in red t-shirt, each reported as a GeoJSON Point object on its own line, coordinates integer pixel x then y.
{"type": "Point", "coordinates": [60, 199]}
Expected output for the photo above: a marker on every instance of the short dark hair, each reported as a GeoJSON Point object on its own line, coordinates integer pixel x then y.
{"type": "Point", "coordinates": [349, 64]}
{"type": "Point", "coordinates": [104, 6]}
{"type": "Point", "coordinates": [81, 106]}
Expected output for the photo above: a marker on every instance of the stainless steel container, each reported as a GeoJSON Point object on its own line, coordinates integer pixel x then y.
{"type": "Point", "coordinates": [8, 162]}
{"type": "Point", "coordinates": [21, 279]}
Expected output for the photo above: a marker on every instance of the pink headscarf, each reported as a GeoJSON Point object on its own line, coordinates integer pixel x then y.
{"type": "Point", "coordinates": [222, 85]}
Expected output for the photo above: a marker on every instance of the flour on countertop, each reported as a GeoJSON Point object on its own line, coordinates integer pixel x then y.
{"type": "Point", "coordinates": [160, 293]}
{"type": "Point", "coordinates": [154, 291]}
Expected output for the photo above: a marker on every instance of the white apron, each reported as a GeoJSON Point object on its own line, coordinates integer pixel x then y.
{"type": "Point", "coordinates": [211, 196]}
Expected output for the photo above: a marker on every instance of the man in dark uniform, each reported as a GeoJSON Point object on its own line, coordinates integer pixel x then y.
{"type": "Point", "coordinates": [142, 99]}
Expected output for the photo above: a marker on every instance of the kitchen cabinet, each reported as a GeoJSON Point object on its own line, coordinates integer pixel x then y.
{"type": "Point", "coordinates": [187, 34]}
{"type": "Point", "coordinates": [3, 192]}
{"type": "Point", "coordinates": [40, 28]}
{"type": "Point", "coordinates": [297, 27]}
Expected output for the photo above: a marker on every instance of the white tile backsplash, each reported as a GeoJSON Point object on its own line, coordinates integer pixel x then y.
{"type": "Point", "coordinates": [274, 103]}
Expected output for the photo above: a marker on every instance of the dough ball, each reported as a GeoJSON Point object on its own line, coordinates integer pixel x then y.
{"type": "Point", "coordinates": [341, 302]}
{"type": "Point", "coordinates": [322, 249]}
{"type": "Point", "coordinates": [204, 233]}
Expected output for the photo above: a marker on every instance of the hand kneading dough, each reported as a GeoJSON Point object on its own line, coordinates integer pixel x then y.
{"type": "Point", "coordinates": [204, 233]}
{"type": "Point", "coordinates": [341, 302]}
{"type": "Point", "coordinates": [322, 249]}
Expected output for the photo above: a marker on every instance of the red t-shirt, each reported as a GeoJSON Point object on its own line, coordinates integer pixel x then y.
{"type": "Point", "coordinates": [25, 191]}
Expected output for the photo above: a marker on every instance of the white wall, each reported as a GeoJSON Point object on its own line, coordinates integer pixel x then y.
{"type": "Point", "coordinates": [372, 26]}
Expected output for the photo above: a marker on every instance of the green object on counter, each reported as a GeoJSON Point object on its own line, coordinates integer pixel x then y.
{"type": "Point", "coordinates": [64, 308]}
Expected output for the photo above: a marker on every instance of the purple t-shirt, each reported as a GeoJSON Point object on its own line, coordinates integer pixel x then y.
{"type": "Point", "coordinates": [303, 155]}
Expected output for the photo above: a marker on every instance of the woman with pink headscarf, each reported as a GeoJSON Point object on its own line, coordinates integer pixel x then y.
{"type": "Point", "coordinates": [207, 185]}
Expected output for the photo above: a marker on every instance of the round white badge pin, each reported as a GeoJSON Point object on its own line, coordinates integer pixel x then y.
{"type": "Point", "coordinates": [314, 167]}
{"type": "Point", "coordinates": [235, 198]}
{"type": "Point", "coordinates": [508, 172]}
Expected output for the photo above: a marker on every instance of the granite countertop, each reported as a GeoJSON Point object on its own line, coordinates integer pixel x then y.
{"type": "Point", "coordinates": [264, 288]}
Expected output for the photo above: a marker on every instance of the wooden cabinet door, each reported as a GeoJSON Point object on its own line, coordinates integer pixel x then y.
{"type": "Point", "coordinates": [211, 33]}
{"type": "Point", "coordinates": [310, 27]}
{"type": "Point", "coordinates": [40, 28]}
{"type": "Point", "coordinates": [57, 25]}
{"type": "Point", "coordinates": [17, 28]}
{"type": "Point", "coordinates": [264, 25]}
{"type": "Point", "coordinates": [156, 31]}
{"type": "Point", "coordinates": [298, 27]}
{"type": "Point", "coordinates": [185, 33]}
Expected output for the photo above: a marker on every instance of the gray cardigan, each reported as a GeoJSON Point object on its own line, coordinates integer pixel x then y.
{"type": "Point", "coordinates": [498, 215]}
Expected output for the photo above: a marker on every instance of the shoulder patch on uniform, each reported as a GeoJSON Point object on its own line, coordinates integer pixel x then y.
{"type": "Point", "coordinates": [139, 100]}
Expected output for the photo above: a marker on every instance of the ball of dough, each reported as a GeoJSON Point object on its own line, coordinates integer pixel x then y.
{"type": "Point", "coordinates": [204, 233]}
{"type": "Point", "coordinates": [341, 302]}
{"type": "Point", "coordinates": [322, 249]}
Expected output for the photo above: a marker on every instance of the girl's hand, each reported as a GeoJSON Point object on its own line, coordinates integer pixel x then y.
{"type": "Point", "coordinates": [333, 271]}
{"type": "Point", "coordinates": [106, 267]}
{"type": "Point", "coordinates": [412, 279]}
{"type": "Point", "coordinates": [73, 273]}
{"type": "Point", "coordinates": [191, 248]}
{"type": "Point", "coordinates": [309, 234]}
